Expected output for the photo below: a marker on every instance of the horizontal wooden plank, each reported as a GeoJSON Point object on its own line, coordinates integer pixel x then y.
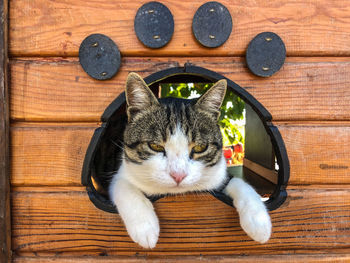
{"type": "Point", "coordinates": [281, 258]}
{"type": "Point", "coordinates": [56, 28]}
{"type": "Point", "coordinates": [317, 154]}
{"type": "Point", "coordinates": [311, 221]}
{"type": "Point", "coordinates": [59, 89]}
{"type": "Point", "coordinates": [48, 156]}
{"type": "Point", "coordinates": [54, 156]}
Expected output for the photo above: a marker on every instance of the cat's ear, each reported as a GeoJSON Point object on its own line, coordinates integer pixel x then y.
{"type": "Point", "coordinates": [138, 96]}
{"type": "Point", "coordinates": [211, 100]}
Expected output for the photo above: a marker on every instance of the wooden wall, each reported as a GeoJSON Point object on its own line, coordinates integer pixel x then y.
{"type": "Point", "coordinates": [55, 107]}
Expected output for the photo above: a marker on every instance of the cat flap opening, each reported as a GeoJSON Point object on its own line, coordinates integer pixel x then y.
{"type": "Point", "coordinates": [260, 157]}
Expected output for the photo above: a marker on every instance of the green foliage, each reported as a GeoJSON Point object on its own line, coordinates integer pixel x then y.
{"type": "Point", "coordinates": [231, 109]}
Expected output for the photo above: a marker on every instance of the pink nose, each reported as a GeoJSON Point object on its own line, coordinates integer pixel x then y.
{"type": "Point", "coordinates": [178, 177]}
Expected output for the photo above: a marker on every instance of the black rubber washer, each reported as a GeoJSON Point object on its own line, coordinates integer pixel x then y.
{"type": "Point", "coordinates": [266, 54]}
{"type": "Point", "coordinates": [99, 56]}
{"type": "Point", "coordinates": [154, 25]}
{"type": "Point", "coordinates": [212, 24]}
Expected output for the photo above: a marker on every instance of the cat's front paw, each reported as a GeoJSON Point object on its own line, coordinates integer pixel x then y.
{"type": "Point", "coordinates": [144, 230]}
{"type": "Point", "coordinates": [253, 216]}
{"type": "Point", "coordinates": [137, 212]}
{"type": "Point", "coordinates": [256, 223]}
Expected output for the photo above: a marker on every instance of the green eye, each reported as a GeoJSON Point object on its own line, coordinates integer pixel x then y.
{"type": "Point", "coordinates": [199, 148]}
{"type": "Point", "coordinates": [156, 147]}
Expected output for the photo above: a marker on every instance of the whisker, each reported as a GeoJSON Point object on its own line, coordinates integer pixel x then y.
{"type": "Point", "coordinates": [116, 144]}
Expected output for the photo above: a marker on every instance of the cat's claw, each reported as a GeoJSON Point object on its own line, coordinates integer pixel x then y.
{"type": "Point", "coordinates": [145, 231]}
{"type": "Point", "coordinates": [253, 216]}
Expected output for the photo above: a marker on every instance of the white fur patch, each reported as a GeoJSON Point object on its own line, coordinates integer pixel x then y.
{"type": "Point", "coordinates": [177, 153]}
{"type": "Point", "coordinates": [253, 215]}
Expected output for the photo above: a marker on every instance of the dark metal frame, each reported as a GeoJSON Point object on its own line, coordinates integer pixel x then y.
{"type": "Point", "coordinates": [5, 216]}
{"type": "Point", "coordinates": [275, 200]}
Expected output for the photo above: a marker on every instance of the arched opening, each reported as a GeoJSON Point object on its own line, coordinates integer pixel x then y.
{"type": "Point", "coordinates": [262, 159]}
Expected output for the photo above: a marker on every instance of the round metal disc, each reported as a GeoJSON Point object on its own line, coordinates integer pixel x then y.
{"type": "Point", "coordinates": [99, 56]}
{"type": "Point", "coordinates": [212, 24]}
{"type": "Point", "coordinates": [154, 24]}
{"type": "Point", "coordinates": [266, 54]}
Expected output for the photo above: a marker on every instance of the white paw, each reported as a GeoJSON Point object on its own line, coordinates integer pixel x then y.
{"type": "Point", "coordinates": [144, 230]}
{"type": "Point", "coordinates": [253, 216]}
{"type": "Point", "coordinates": [136, 211]}
{"type": "Point", "coordinates": [256, 223]}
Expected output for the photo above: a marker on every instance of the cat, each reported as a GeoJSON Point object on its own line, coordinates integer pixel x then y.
{"type": "Point", "coordinates": [175, 146]}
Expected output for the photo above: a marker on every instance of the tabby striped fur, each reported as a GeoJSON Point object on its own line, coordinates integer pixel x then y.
{"type": "Point", "coordinates": [161, 156]}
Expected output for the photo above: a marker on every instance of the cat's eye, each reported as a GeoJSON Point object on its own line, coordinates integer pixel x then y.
{"type": "Point", "coordinates": [199, 148]}
{"type": "Point", "coordinates": [156, 147]}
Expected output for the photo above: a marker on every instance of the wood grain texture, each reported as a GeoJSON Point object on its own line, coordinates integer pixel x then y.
{"type": "Point", "coordinates": [59, 90]}
{"type": "Point", "coordinates": [54, 155]}
{"type": "Point", "coordinates": [49, 156]}
{"type": "Point", "coordinates": [311, 221]}
{"type": "Point", "coordinates": [317, 154]}
{"type": "Point", "coordinates": [5, 210]}
{"type": "Point", "coordinates": [281, 258]}
{"type": "Point", "coordinates": [56, 28]}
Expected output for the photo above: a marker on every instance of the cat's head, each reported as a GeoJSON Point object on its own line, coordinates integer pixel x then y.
{"type": "Point", "coordinates": [173, 145]}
